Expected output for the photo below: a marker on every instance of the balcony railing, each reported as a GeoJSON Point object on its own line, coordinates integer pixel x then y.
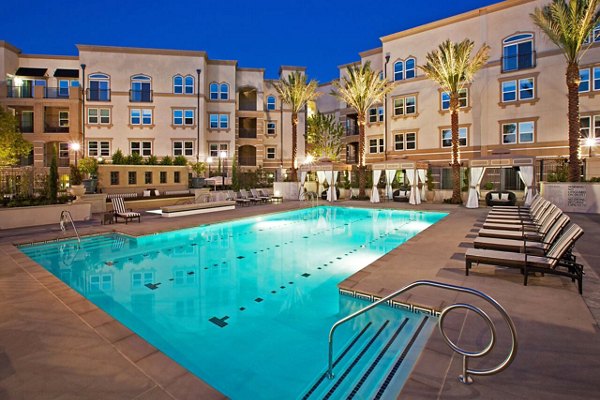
{"type": "Point", "coordinates": [246, 133]}
{"type": "Point", "coordinates": [518, 62]}
{"type": "Point", "coordinates": [351, 130]}
{"type": "Point", "coordinates": [55, 129]}
{"type": "Point", "coordinates": [26, 128]}
{"type": "Point", "coordinates": [56, 93]}
{"type": "Point", "coordinates": [20, 92]}
{"type": "Point", "coordinates": [98, 94]}
{"type": "Point", "coordinates": [141, 96]}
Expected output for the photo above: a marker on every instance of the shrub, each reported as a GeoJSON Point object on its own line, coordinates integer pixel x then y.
{"type": "Point", "coordinates": [167, 160]}
{"type": "Point", "coordinates": [134, 159]}
{"type": "Point", "coordinates": [53, 180]}
{"type": "Point", "coordinates": [75, 177]}
{"type": "Point", "coordinates": [152, 160]}
{"type": "Point", "coordinates": [89, 166]}
{"type": "Point", "coordinates": [118, 158]}
{"type": "Point", "coordinates": [180, 160]}
{"type": "Point", "coordinates": [488, 186]}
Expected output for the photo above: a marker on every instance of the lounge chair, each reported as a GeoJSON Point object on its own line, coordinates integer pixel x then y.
{"type": "Point", "coordinates": [265, 195]}
{"type": "Point", "coordinates": [244, 195]}
{"type": "Point", "coordinates": [524, 245]}
{"type": "Point", "coordinates": [535, 199]}
{"type": "Point", "coordinates": [550, 216]}
{"type": "Point", "coordinates": [536, 207]}
{"type": "Point", "coordinates": [257, 195]}
{"type": "Point", "coordinates": [556, 261]}
{"type": "Point", "coordinates": [232, 196]}
{"type": "Point", "coordinates": [121, 212]}
{"type": "Point", "coordinates": [519, 233]}
{"type": "Point", "coordinates": [537, 218]}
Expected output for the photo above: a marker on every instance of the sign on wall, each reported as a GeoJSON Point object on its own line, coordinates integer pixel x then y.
{"type": "Point", "coordinates": [573, 197]}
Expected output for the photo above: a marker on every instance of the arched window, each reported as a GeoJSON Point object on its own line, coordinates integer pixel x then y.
{"type": "Point", "coordinates": [271, 103]}
{"type": "Point", "coordinates": [99, 87]}
{"type": "Point", "coordinates": [177, 84]}
{"type": "Point", "coordinates": [141, 89]}
{"type": "Point", "coordinates": [224, 91]}
{"type": "Point", "coordinates": [410, 70]}
{"type": "Point", "coordinates": [517, 52]}
{"type": "Point", "coordinates": [398, 71]}
{"type": "Point", "coordinates": [214, 91]}
{"type": "Point", "coordinates": [189, 84]}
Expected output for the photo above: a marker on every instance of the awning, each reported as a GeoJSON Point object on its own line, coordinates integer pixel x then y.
{"type": "Point", "coordinates": [35, 72]}
{"type": "Point", "coordinates": [66, 73]}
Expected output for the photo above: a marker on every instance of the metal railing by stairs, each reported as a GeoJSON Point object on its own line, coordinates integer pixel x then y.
{"type": "Point", "coordinates": [65, 217]}
{"type": "Point", "coordinates": [466, 371]}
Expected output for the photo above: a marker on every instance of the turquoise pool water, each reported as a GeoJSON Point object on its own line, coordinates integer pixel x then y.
{"type": "Point", "coordinates": [244, 305]}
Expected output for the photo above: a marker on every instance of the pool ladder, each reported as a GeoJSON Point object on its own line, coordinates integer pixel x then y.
{"type": "Point", "coordinates": [466, 371]}
{"type": "Point", "coordinates": [65, 216]}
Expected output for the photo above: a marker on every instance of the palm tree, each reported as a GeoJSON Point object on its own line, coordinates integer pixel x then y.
{"type": "Point", "coordinates": [568, 25]}
{"type": "Point", "coordinates": [361, 89]}
{"type": "Point", "coordinates": [296, 92]}
{"type": "Point", "coordinates": [451, 66]}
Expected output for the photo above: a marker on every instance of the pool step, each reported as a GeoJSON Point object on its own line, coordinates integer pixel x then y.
{"type": "Point", "coordinates": [50, 249]}
{"type": "Point", "coordinates": [370, 363]}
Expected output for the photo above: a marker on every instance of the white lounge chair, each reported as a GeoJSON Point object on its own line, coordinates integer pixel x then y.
{"type": "Point", "coordinates": [121, 212]}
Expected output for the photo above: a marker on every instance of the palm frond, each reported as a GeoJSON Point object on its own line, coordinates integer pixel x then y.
{"type": "Point", "coordinates": [296, 91]}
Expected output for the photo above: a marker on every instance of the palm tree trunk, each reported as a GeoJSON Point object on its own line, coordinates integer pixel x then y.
{"type": "Point", "coordinates": [456, 198]}
{"type": "Point", "coordinates": [362, 168]}
{"type": "Point", "coordinates": [574, 128]}
{"type": "Point", "coordinates": [294, 176]}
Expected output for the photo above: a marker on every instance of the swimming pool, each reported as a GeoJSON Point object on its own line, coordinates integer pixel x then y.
{"type": "Point", "coordinates": [244, 305]}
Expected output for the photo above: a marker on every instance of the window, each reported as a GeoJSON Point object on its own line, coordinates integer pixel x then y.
{"type": "Point", "coordinates": [409, 65]}
{"type": "Point", "coordinates": [163, 176]}
{"type": "Point", "coordinates": [148, 177]}
{"type": "Point", "coordinates": [405, 141]}
{"type": "Point", "coordinates": [98, 148]}
{"type": "Point", "coordinates": [594, 35]}
{"type": "Point", "coordinates": [521, 89]}
{"type": "Point", "coordinates": [406, 105]}
{"type": "Point", "coordinates": [217, 148]}
{"type": "Point", "coordinates": [176, 177]}
{"type": "Point", "coordinates": [405, 69]}
{"type": "Point", "coordinates": [132, 177]}
{"type": "Point", "coordinates": [63, 87]}
{"type": "Point", "coordinates": [114, 177]}
{"type": "Point", "coordinates": [270, 103]}
{"type": "Point", "coordinates": [141, 89]}
{"type": "Point", "coordinates": [142, 148]}
{"type": "Point", "coordinates": [521, 132]}
{"type": "Point", "coordinates": [376, 114]}
{"type": "Point", "coordinates": [183, 148]}
{"type": "Point", "coordinates": [99, 89]}
{"type": "Point", "coordinates": [63, 119]}
{"type": "Point", "coordinates": [214, 91]}
{"type": "Point", "coordinates": [590, 126]}
{"type": "Point", "coordinates": [517, 52]}
{"type": "Point", "coordinates": [189, 84]}
{"type": "Point", "coordinates": [183, 117]}
{"type": "Point", "coordinates": [271, 127]}
{"type": "Point", "coordinates": [584, 80]}
{"type": "Point", "coordinates": [224, 91]}
{"type": "Point", "coordinates": [98, 116]}
{"type": "Point", "coordinates": [140, 117]}
{"type": "Point", "coordinates": [376, 146]}
{"type": "Point", "coordinates": [219, 121]}
{"type": "Point", "coordinates": [271, 153]}
{"type": "Point", "coordinates": [219, 91]}
{"type": "Point", "coordinates": [447, 137]}
{"type": "Point", "coordinates": [398, 71]}
{"type": "Point", "coordinates": [63, 150]}
{"type": "Point", "coordinates": [177, 84]}
{"type": "Point", "coordinates": [597, 74]}
{"type": "Point", "coordinates": [463, 99]}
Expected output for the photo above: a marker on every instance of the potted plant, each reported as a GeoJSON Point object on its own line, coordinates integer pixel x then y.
{"type": "Point", "coordinates": [198, 168]}
{"type": "Point", "coordinates": [89, 167]}
{"type": "Point", "coordinates": [75, 180]}
{"type": "Point", "coordinates": [430, 186]}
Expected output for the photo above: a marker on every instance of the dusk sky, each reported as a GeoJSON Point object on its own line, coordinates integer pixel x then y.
{"type": "Point", "coordinates": [318, 34]}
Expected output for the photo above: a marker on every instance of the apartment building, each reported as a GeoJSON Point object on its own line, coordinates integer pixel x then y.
{"type": "Point", "coordinates": [516, 105]}
{"type": "Point", "coordinates": [149, 102]}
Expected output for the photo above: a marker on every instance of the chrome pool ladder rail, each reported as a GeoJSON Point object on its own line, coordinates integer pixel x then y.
{"type": "Point", "coordinates": [65, 216]}
{"type": "Point", "coordinates": [466, 371]}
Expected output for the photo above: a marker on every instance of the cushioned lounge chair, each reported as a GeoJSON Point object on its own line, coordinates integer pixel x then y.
{"type": "Point", "coordinates": [549, 216]}
{"type": "Point", "coordinates": [532, 235]}
{"type": "Point", "coordinates": [257, 195]}
{"type": "Point", "coordinates": [231, 195]}
{"type": "Point", "coordinates": [556, 260]}
{"type": "Point", "coordinates": [536, 219]}
{"type": "Point", "coordinates": [265, 195]}
{"type": "Point", "coordinates": [535, 209]}
{"type": "Point", "coordinates": [537, 197]}
{"type": "Point", "coordinates": [121, 212]}
{"type": "Point", "coordinates": [524, 245]}
{"type": "Point", "coordinates": [245, 195]}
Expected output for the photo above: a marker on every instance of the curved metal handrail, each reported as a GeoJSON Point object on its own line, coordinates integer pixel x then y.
{"type": "Point", "coordinates": [65, 215]}
{"type": "Point", "coordinates": [464, 378]}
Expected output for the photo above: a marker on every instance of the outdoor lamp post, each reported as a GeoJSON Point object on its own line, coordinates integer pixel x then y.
{"type": "Point", "coordinates": [198, 72]}
{"type": "Point", "coordinates": [75, 146]}
{"type": "Point", "coordinates": [223, 157]}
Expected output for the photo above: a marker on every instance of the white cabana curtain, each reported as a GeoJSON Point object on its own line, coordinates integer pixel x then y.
{"type": "Point", "coordinates": [474, 182]}
{"type": "Point", "coordinates": [414, 197]}
{"type": "Point", "coordinates": [374, 192]}
{"type": "Point", "coordinates": [389, 178]}
{"type": "Point", "coordinates": [422, 179]}
{"type": "Point", "coordinates": [334, 192]}
{"type": "Point", "coordinates": [526, 175]}
{"type": "Point", "coordinates": [302, 180]}
{"type": "Point", "coordinates": [331, 191]}
{"type": "Point", "coordinates": [321, 177]}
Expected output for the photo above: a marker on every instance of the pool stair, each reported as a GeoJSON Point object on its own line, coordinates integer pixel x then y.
{"type": "Point", "coordinates": [374, 363]}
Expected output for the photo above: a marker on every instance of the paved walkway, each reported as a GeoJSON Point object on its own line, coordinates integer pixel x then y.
{"type": "Point", "coordinates": [55, 344]}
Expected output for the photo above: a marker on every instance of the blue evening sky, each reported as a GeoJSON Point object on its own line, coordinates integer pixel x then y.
{"type": "Point", "coordinates": [318, 34]}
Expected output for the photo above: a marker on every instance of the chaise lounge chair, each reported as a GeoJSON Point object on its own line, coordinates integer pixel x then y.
{"type": "Point", "coordinates": [551, 214]}
{"type": "Point", "coordinates": [557, 260]}
{"type": "Point", "coordinates": [537, 218]}
{"type": "Point", "coordinates": [519, 232]}
{"type": "Point", "coordinates": [121, 212]}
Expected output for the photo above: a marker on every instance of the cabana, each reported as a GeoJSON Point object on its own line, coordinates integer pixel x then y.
{"type": "Point", "coordinates": [415, 171]}
{"type": "Point", "coordinates": [477, 167]}
{"type": "Point", "coordinates": [327, 171]}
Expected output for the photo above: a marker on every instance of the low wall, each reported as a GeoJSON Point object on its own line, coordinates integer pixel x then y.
{"type": "Point", "coordinates": [573, 197]}
{"type": "Point", "coordinates": [287, 190]}
{"type": "Point", "coordinates": [19, 217]}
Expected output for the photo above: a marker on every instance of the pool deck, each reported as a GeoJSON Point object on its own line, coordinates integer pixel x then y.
{"type": "Point", "coordinates": [54, 344]}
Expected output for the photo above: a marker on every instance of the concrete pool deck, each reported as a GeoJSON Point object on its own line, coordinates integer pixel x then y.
{"type": "Point", "coordinates": [55, 344]}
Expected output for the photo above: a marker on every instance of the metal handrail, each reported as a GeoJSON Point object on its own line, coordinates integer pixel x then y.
{"type": "Point", "coordinates": [66, 215]}
{"type": "Point", "coordinates": [464, 378]}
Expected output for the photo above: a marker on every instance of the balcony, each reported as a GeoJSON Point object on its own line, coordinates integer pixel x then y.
{"type": "Point", "coordinates": [518, 62]}
{"type": "Point", "coordinates": [26, 127]}
{"type": "Point", "coordinates": [140, 96]}
{"type": "Point", "coordinates": [53, 128]}
{"type": "Point", "coordinates": [97, 95]}
{"type": "Point", "coordinates": [247, 128]}
{"type": "Point", "coordinates": [56, 93]}
{"type": "Point", "coordinates": [20, 92]}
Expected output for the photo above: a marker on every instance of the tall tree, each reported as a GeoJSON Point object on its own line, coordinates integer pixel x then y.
{"type": "Point", "coordinates": [296, 91]}
{"type": "Point", "coordinates": [324, 136]}
{"type": "Point", "coordinates": [361, 89]}
{"type": "Point", "coordinates": [452, 67]}
{"type": "Point", "coordinates": [12, 144]}
{"type": "Point", "coordinates": [568, 24]}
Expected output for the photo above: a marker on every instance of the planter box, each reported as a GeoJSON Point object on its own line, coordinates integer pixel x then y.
{"type": "Point", "coordinates": [19, 217]}
{"type": "Point", "coordinates": [573, 197]}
